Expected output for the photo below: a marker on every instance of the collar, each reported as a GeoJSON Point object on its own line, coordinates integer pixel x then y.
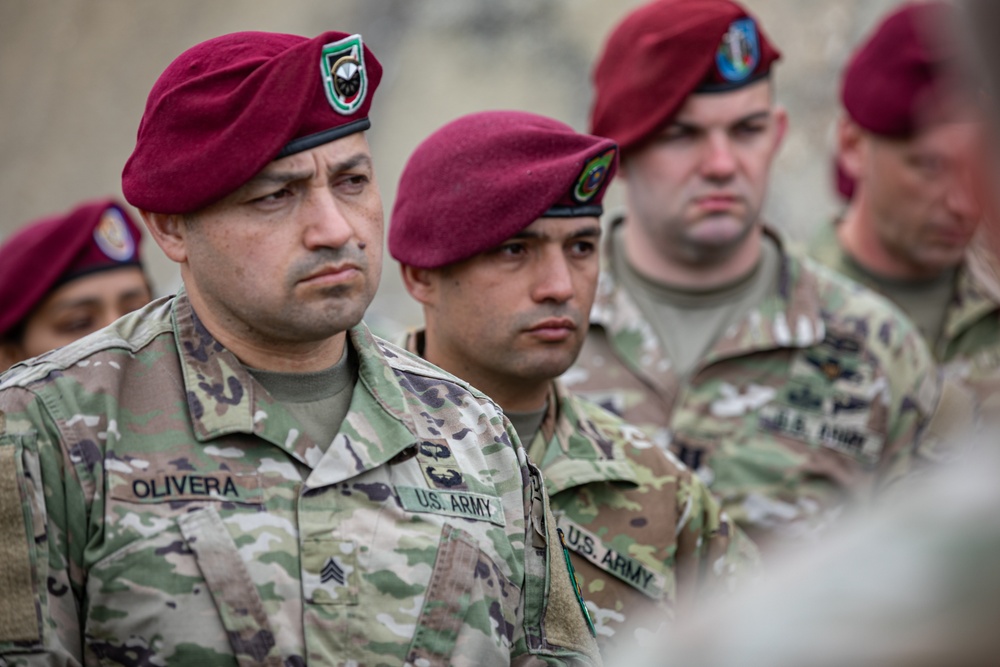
{"type": "Point", "coordinates": [579, 443]}
{"type": "Point", "coordinates": [790, 317]}
{"type": "Point", "coordinates": [575, 444]}
{"type": "Point", "coordinates": [224, 398]}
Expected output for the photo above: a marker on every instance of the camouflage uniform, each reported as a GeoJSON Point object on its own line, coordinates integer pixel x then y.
{"type": "Point", "coordinates": [180, 517]}
{"type": "Point", "coordinates": [813, 401]}
{"type": "Point", "coordinates": [970, 340]}
{"type": "Point", "coordinates": [645, 535]}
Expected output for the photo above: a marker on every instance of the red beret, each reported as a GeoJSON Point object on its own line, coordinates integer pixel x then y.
{"type": "Point", "coordinates": [227, 107]}
{"type": "Point", "coordinates": [666, 50]}
{"type": "Point", "coordinates": [898, 70]}
{"type": "Point", "coordinates": [484, 177]}
{"type": "Point", "coordinates": [94, 236]}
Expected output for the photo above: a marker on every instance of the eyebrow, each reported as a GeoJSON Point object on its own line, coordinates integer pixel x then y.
{"type": "Point", "coordinates": [93, 301]}
{"type": "Point", "coordinates": [757, 115]}
{"type": "Point", "coordinates": [592, 230]}
{"type": "Point", "coordinates": [281, 177]}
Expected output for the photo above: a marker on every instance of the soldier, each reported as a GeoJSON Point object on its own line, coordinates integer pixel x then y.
{"type": "Point", "coordinates": [67, 275]}
{"type": "Point", "coordinates": [791, 391]}
{"type": "Point", "coordinates": [505, 268]}
{"type": "Point", "coordinates": [906, 230]}
{"type": "Point", "coordinates": [242, 473]}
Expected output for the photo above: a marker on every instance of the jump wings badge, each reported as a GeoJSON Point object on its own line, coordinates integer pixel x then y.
{"type": "Point", "coordinates": [739, 51]}
{"type": "Point", "coordinates": [344, 75]}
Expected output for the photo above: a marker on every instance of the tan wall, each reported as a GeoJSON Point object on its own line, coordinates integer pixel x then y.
{"type": "Point", "coordinates": [74, 75]}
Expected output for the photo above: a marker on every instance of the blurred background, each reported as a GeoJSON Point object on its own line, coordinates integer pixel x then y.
{"type": "Point", "coordinates": [74, 75]}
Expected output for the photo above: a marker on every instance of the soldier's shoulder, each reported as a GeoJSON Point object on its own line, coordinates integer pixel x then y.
{"type": "Point", "coordinates": [130, 334]}
{"type": "Point", "coordinates": [627, 440]}
{"type": "Point", "coordinates": [844, 301]}
{"type": "Point", "coordinates": [417, 375]}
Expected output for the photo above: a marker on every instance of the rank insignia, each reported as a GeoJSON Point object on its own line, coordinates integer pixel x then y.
{"type": "Point", "coordinates": [593, 176]}
{"type": "Point", "coordinates": [739, 51]}
{"type": "Point", "coordinates": [344, 76]}
{"type": "Point", "coordinates": [113, 238]}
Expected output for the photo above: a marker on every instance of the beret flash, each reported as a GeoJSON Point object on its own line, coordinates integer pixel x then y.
{"type": "Point", "coordinates": [898, 70]}
{"type": "Point", "coordinates": [666, 50]}
{"type": "Point", "coordinates": [227, 107]}
{"type": "Point", "coordinates": [46, 253]}
{"type": "Point", "coordinates": [481, 179]}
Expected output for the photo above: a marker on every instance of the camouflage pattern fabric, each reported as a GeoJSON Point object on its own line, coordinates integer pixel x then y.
{"type": "Point", "coordinates": [812, 403]}
{"type": "Point", "coordinates": [970, 340]}
{"type": "Point", "coordinates": [646, 538]}
{"type": "Point", "coordinates": [176, 515]}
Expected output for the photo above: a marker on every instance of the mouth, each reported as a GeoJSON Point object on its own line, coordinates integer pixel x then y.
{"type": "Point", "coordinates": [553, 329]}
{"type": "Point", "coordinates": [331, 275]}
{"type": "Point", "coordinates": [717, 202]}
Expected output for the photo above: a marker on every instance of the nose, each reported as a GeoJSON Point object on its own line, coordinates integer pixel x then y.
{"type": "Point", "coordinates": [554, 280]}
{"type": "Point", "coordinates": [960, 200]}
{"type": "Point", "coordinates": [719, 162]}
{"type": "Point", "coordinates": [326, 224]}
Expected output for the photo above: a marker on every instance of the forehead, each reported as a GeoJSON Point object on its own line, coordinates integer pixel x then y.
{"type": "Point", "coordinates": [325, 155]}
{"type": "Point", "coordinates": [103, 285]}
{"type": "Point", "coordinates": [728, 106]}
{"type": "Point", "coordinates": [943, 139]}
{"type": "Point", "coordinates": [559, 228]}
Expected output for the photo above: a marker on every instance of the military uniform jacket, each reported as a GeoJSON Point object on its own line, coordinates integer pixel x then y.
{"type": "Point", "coordinates": [970, 340]}
{"type": "Point", "coordinates": [812, 402]}
{"type": "Point", "coordinates": [646, 537]}
{"type": "Point", "coordinates": [176, 515]}
{"type": "Point", "coordinates": [644, 534]}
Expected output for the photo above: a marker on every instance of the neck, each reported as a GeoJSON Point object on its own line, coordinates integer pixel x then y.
{"type": "Point", "coordinates": [722, 268]}
{"type": "Point", "coordinates": [269, 355]}
{"type": "Point", "coordinates": [857, 236]}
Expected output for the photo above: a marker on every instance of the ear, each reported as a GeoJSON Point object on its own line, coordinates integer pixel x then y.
{"type": "Point", "coordinates": [421, 283]}
{"type": "Point", "coordinates": [169, 232]}
{"type": "Point", "coordinates": [781, 126]}
{"type": "Point", "coordinates": [10, 354]}
{"type": "Point", "coordinates": [850, 147]}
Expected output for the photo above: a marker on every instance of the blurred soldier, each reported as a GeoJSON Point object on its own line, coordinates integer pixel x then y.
{"type": "Point", "coordinates": [66, 276]}
{"type": "Point", "coordinates": [505, 268]}
{"type": "Point", "coordinates": [907, 227]}
{"type": "Point", "coordinates": [243, 473]}
{"type": "Point", "coordinates": [792, 392]}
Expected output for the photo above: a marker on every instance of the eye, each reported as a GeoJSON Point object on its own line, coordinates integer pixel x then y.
{"type": "Point", "coordinates": [76, 325]}
{"type": "Point", "coordinates": [513, 249]}
{"type": "Point", "coordinates": [352, 183]}
{"type": "Point", "coordinates": [676, 133]}
{"type": "Point", "coordinates": [277, 195]}
{"type": "Point", "coordinates": [582, 248]}
{"type": "Point", "coordinates": [750, 129]}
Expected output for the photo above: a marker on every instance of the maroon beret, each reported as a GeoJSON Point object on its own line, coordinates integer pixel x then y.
{"type": "Point", "coordinates": [95, 236]}
{"type": "Point", "coordinates": [227, 107]}
{"type": "Point", "coordinates": [481, 179]}
{"type": "Point", "coordinates": [899, 69]}
{"type": "Point", "coordinates": [666, 50]}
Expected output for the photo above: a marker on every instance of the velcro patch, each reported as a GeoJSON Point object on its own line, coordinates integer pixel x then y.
{"type": "Point", "coordinates": [853, 440]}
{"type": "Point", "coordinates": [627, 569]}
{"type": "Point", "coordinates": [218, 485]}
{"type": "Point", "coordinates": [452, 503]}
{"type": "Point", "coordinates": [18, 616]}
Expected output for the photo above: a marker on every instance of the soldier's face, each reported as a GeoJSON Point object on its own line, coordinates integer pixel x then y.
{"type": "Point", "coordinates": [80, 307]}
{"type": "Point", "coordinates": [910, 193]}
{"type": "Point", "coordinates": [295, 255]}
{"type": "Point", "coordinates": [517, 313]}
{"type": "Point", "coordinates": [697, 188]}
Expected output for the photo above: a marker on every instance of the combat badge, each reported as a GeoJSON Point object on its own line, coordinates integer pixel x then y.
{"type": "Point", "coordinates": [739, 51]}
{"type": "Point", "coordinates": [345, 78]}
